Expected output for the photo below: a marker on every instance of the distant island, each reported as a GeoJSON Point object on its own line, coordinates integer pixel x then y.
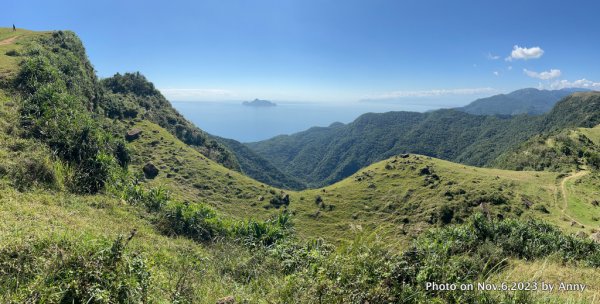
{"type": "Point", "coordinates": [259, 103]}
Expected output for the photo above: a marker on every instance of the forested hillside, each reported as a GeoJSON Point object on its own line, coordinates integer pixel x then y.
{"type": "Point", "coordinates": [321, 156]}
{"type": "Point", "coordinates": [525, 101]}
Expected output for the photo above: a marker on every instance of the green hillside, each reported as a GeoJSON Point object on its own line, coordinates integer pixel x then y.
{"type": "Point", "coordinates": [566, 150]}
{"type": "Point", "coordinates": [525, 101]}
{"type": "Point", "coordinates": [131, 95]}
{"type": "Point", "coordinates": [321, 156]}
{"type": "Point", "coordinates": [103, 208]}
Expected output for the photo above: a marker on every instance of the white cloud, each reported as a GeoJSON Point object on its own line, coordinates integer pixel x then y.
{"type": "Point", "coordinates": [490, 56]}
{"type": "Point", "coordinates": [553, 73]}
{"type": "Point", "coordinates": [581, 83]}
{"type": "Point", "coordinates": [196, 94]}
{"type": "Point", "coordinates": [509, 67]}
{"type": "Point", "coordinates": [496, 73]}
{"type": "Point", "coordinates": [431, 93]}
{"type": "Point", "coordinates": [525, 53]}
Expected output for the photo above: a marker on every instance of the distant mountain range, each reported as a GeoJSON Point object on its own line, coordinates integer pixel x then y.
{"type": "Point", "coordinates": [525, 101]}
{"type": "Point", "coordinates": [259, 103]}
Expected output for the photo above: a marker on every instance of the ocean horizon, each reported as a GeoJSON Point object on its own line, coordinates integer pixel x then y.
{"type": "Point", "coordinates": [231, 119]}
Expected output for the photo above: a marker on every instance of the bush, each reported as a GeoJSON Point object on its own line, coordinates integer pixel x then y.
{"type": "Point", "coordinates": [59, 89]}
{"type": "Point", "coordinates": [197, 222]}
{"type": "Point", "coordinates": [33, 171]}
{"type": "Point", "coordinates": [203, 224]}
{"type": "Point", "coordinates": [61, 271]}
{"type": "Point", "coordinates": [12, 53]}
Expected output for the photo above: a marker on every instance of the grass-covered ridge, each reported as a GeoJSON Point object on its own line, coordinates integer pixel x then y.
{"type": "Point", "coordinates": [131, 96]}
{"type": "Point", "coordinates": [198, 231]}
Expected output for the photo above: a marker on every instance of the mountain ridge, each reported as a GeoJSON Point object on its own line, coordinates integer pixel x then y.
{"type": "Point", "coordinates": [447, 134]}
{"type": "Point", "coordinates": [523, 101]}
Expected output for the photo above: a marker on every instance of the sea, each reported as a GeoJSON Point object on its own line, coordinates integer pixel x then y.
{"type": "Point", "coordinates": [249, 124]}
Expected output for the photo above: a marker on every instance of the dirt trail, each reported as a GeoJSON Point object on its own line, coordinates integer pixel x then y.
{"type": "Point", "coordinates": [8, 40]}
{"type": "Point", "coordinates": [563, 190]}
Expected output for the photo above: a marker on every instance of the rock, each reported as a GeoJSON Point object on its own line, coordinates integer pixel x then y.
{"type": "Point", "coordinates": [595, 237]}
{"type": "Point", "coordinates": [133, 134]}
{"type": "Point", "coordinates": [405, 155]}
{"type": "Point", "coordinates": [261, 198]}
{"type": "Point", "coordinates": [150, 171]}
{"type": "Point", "coordinates": [581, 234]}
{"type": "Point", "coordinates": [226, 300]}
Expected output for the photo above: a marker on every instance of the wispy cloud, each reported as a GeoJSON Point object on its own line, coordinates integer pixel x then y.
{"type": "Point", "coordinates": [581, 83]}
{"type": "Point", "coordinates": [430, 93]}
{"type": "Point", "coordinates": [525, 53]}
{"type": "Point", "coordinates": [553, 73]}
{"type": "Point", "coordinates": [496, 73]}
{"type": "Point", "coordinates": [196, 94]}
{"type": "Point", "coordinates": [490, 56]}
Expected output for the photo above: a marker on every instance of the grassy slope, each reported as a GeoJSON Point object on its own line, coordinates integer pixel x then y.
{"type": "Point", "coordinates": [592, 133]}
{"type": "Point", "coordinates": [192, 176]}
{"type": "Point", "coordinates": [41, 216]}
{"type": "Point", "coordinates": [44, 214]}
{"type": "Point", "coordinates": [9, 64]}
{"type": "Point", "coordinates": [373, 198]}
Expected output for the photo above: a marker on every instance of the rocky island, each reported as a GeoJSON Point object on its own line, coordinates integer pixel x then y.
{"type": "Point", "coordinates": [259, 103]}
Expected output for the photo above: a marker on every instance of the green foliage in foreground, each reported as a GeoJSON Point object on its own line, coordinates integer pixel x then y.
{"type": "Point", "coordinates": [64, 271]}
{"type": "Point", "coordinates": [249, 253]}
{"type": "Point", "coordinates": [366, 271]}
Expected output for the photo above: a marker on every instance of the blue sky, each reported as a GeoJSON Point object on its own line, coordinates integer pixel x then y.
{"type": "Point", "coordinates": [332, 51]}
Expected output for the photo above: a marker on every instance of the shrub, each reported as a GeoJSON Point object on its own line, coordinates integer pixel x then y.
{"type": "Point", "coordinates": [12, 53]}
{"type": "Point", "coordinates": [33, 171]}
{"type": "Point", "coordinates": [154, 199]}
{"type": "Point", "coordinates": [59, 88]}
{"type": "Point", "coordinates": [203, 224]}
{"type": "Point", "coordinates": [196, 221]}
{"type": "Point", "coordinates": [62, 271]}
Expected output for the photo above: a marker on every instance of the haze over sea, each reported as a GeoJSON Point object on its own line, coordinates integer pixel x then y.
{"type": "Point", "coordinates": [231, 119]}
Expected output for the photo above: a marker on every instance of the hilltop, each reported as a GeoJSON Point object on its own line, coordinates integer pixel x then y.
{"type": "Point", "coordinates": [107, 195]}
